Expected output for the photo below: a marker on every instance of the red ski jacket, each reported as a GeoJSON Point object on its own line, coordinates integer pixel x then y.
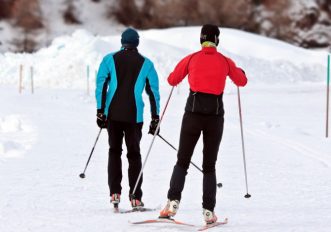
{"type": "Point", "coordinates": [207, 71]}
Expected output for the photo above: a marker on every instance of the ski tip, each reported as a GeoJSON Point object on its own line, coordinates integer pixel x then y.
{"type": "Point", "coordinates": [218, 223]}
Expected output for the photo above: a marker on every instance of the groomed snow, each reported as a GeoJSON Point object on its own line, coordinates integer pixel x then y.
{"type": "Point", "coordinates": [46, 137]}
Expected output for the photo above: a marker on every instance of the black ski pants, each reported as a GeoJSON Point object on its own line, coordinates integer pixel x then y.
{"type": "Point", "coordinates": [211, 127]}
{"type": "Point", "coordinates": [132, 134]}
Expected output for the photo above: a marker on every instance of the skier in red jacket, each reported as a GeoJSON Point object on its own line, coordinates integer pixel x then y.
{"type": "Point", "coordinates": [207, 70]}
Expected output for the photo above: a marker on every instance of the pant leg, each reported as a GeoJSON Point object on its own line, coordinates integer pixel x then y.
{"type": "Point", "coordinates": [212, 135]}
{"type": "Point", "coordinates": [115, 139]}
{"type": "Point", "coordinates": [189, 136]}
{"type": "Point", "coordinates": [133, 136]}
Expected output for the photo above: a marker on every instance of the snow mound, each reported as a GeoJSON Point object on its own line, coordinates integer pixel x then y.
{"type": "Point", "coordinates": [16, 136]}
{"type": "Point", "coordinates": [72, 61]}
{"type": "Point", "coordinates": [10, 123]}
{"type": "Point", "coordinates": [11, 149]}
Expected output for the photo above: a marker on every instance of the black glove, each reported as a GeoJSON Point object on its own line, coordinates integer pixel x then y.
{"type": "Point", "coordinates": [101, 119]}
{"type": "Point", "coordinates": [153, 125]}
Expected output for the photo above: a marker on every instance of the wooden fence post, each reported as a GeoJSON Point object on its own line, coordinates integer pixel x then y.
{"type": "Point", "coordinates": [88, 79]}
{"type": "Point", "coordinates": [31, 76]}
{"type": "Point", "coordinates": [20, 84]}
{"type": "Point", "coordinates": [327, 97]}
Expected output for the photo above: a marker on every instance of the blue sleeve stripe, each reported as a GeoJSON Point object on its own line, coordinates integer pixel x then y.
{"type": "Point", "coordinates": [138, 89]}
{"type": "Point", "coordinates": [102, 75]}
{"type": "Point", "coordinates": [154, 85]}
{"type": "Point", "coordinates": [106, 83]}
{"type": "Point", "coordinates": [112, 85]}
{"type": "Point", "coordinates": [147, 71]}
{"type": "Point", "coordinates": [151, 98]}
{"type": "Point", "coordinates": [104, 93]}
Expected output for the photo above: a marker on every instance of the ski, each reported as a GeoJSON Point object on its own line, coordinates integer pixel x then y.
{"type": "Point", "coordinates": [162, 220]}
{"type": "Point", "coordinates": [142, 209]}
{"type": "Point", "coordinates": [138, 210]}
{"type": "Point", "coordinates": [208, 226]}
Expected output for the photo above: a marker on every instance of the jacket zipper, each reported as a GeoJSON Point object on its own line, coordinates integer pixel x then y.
{"type": "Point", "coordinates": [193, 101]}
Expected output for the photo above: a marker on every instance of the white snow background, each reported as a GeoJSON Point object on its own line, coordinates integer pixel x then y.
{"type": "Point", "coordinates": [46, 137]}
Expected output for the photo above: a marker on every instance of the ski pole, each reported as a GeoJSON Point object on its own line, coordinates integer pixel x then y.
{"type": "Point", "coordinates": [327, 97]}
{"type": "Point", "coordinates": [132, 196]}
{"type": "Point", "coordinates": [242, 143]}
{"type": "Point", "coordinates": [218, 184]}
{"type": "Point", "coordinates": [82, 175]}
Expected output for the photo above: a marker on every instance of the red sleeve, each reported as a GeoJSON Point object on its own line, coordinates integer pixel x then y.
{"type": "Point", "coordinates": [237, 75]}
{"type": "Point", "coordinates": [180, 71]}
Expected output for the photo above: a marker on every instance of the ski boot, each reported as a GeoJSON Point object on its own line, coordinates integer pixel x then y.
{"type": "Point", "coordinates": [170, 209]}
{"type": "Point", "coordinates": [137, 205]}
{"type": "Point", "coordinates": [115, 200]}
{"type": "Point", "coordinates": [209, 216]}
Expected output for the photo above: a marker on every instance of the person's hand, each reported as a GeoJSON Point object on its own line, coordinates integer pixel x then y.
{"type": "Point", "coordinates": [101, 119]}
{"type": "Point", "coordinates": [153, 125]}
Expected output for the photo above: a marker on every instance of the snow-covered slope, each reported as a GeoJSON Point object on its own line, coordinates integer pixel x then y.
{"type": "Point", "coordinates": [64, 63]}
{"type": "Point", "coordinates": [46, 137]}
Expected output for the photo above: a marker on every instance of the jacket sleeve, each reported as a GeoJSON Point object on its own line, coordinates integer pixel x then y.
{"type": "Point", "coordinates": [180, 71]}
{"type": "Point", "coordinates": [237, 75]}
{"type": "Point", "coordinates": [152, 89]}
{"type": "Point", "coordinates": [102, 80]}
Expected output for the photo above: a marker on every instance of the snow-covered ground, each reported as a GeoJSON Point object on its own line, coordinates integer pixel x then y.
{"type": "Point", "coordinates": [46, 137]}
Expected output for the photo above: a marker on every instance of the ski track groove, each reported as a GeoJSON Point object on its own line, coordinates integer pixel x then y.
{"type": "Point", "coordinates": [298, 147]}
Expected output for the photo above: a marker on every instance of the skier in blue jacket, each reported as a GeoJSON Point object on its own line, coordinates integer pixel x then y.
{"type": "Point", "coordinates": [121, 79]}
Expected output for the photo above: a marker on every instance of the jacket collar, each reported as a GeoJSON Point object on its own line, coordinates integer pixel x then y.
{"type": "Point", "coordinates": [208, 44]}
{"type": "Point", "coordinates": [209, 49]}
{"type": "Point", "coordinates": [129, 48]}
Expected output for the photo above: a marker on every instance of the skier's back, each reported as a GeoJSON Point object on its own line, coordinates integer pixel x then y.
{"type": "Point", "coordinates": [207, 71]}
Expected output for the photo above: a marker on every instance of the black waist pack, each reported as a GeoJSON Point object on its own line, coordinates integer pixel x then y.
{"type": "Point", "coordinates": [204, 103]}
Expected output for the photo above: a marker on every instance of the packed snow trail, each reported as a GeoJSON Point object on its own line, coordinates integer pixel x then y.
{"type": "Point", "coordinates": [287, 157]}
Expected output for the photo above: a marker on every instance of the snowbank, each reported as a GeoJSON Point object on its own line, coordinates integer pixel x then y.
{"type": "Point", "coordinates": [66, 61]}
{"type": "Point", "coordinates": [16, 136]}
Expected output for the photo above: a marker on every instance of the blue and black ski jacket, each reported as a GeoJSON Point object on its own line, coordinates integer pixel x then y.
{"type": "Point", "coordinates": [121, 79]}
